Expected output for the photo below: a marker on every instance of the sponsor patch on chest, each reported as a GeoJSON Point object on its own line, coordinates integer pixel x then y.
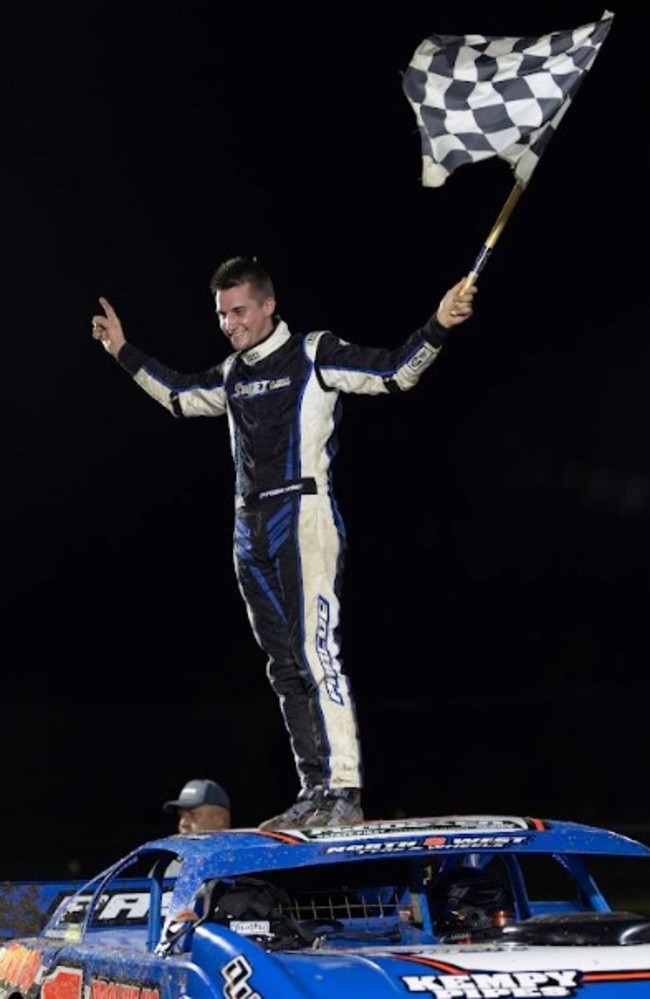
{"type": "Point", "coordinates": [261, 387]}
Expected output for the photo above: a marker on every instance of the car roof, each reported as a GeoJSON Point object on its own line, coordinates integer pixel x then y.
{"type": "Point", "coordinates": [237, 851]}
{"type": "Point", "coordinates": [523, 832]}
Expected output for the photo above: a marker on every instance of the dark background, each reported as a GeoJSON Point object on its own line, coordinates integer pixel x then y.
{"type": "Point", "coordinates": [495, 614]}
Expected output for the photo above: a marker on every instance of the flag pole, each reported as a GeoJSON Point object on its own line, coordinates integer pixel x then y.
{"type": "Point", "coordinates": [494, 234]}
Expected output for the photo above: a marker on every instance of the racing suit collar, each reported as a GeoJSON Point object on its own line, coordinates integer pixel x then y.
{"type": "Point", "coordinates": [273, 342]}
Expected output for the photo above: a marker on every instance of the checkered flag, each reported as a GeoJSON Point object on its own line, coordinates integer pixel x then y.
{"type": "Point", "coordinates": [477, 96]}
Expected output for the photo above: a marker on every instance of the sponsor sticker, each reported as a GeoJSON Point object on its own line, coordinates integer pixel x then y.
{"type": "Point", "coordinates": [428, 843]}
{"type": "Point", "coordinates": [497, 985]}
{"type": "Point", "coordinates": [482, 826]}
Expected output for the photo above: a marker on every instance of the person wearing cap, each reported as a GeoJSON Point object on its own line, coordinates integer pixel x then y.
{"type": "Point", "coordinates": [202, 806]}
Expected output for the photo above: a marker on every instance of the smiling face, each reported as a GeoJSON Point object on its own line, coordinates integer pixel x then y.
{"type": "Point", "coordinates": [244, 319]}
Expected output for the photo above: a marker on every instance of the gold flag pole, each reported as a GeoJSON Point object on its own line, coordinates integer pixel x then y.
{"type": "Point", "coordinates": [494, 234]}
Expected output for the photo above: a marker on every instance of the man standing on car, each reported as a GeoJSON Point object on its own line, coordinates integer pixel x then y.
{"type": "Point", "coordinates": [281, 395]}
{"type": "Point", "coordinates": [202, 806]}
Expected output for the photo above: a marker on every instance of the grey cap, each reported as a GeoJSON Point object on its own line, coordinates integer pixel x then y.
{"type": "Point", "coordinates": [199, 792]}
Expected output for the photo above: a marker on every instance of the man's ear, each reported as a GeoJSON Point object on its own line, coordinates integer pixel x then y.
{"type": "Point", "coordinates": [269, 306]}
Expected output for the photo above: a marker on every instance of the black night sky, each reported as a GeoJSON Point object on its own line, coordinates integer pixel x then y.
{"type": "Point", "coordinates": [495, 610]}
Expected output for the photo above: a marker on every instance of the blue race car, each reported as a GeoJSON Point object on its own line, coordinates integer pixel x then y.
{"type": "Point", "coordinates": [453, 907]}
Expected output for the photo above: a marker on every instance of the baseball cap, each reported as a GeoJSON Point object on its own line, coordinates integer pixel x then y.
{"type": "Point", "coordinates": [199, 792]}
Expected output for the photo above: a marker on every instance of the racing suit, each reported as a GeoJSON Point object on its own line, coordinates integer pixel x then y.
{"type": "Point", "coordinates": [282, 401]}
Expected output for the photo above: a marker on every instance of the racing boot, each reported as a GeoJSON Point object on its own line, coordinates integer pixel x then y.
{"type": "Point", "coordinates": [297, 814]}
{"type": "Point", "coordinates": [339, 807]}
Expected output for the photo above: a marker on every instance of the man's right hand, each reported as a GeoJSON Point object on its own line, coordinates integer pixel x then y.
{"type": "Point", "coordinates": [108, 329]}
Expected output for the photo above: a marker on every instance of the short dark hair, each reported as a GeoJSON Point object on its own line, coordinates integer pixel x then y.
{"type": "Point", "coordinates": [243, 270]}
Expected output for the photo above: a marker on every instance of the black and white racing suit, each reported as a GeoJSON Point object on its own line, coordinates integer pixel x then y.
{"type": "Point", "coordinates": [282, 401]}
